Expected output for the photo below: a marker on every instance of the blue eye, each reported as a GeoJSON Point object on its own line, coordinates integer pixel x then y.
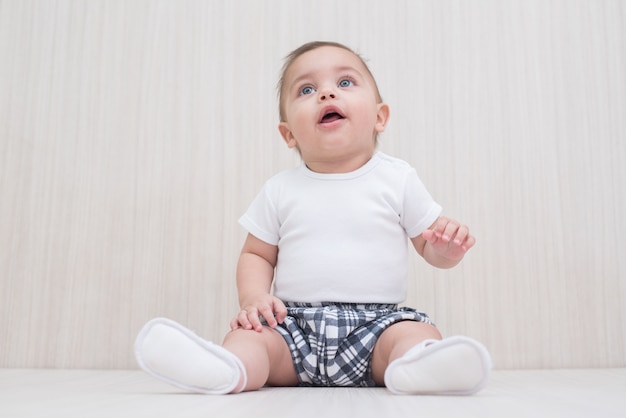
{"type": "Point", "coordinates": [306, 90]}
{"type": "Point", "coordinates": [346, 83]}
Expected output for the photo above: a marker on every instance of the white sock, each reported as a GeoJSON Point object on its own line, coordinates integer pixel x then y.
{"type": "Point", "coordinates": [453, 366]}
{"type": "Point", "coordinates": [176, 355]}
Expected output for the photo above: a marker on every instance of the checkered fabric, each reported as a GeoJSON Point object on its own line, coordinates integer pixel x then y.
{"type": "Point", "coordinates": [331, 344]}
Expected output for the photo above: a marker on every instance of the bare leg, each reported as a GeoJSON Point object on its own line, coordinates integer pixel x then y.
{"type": "Point", "coordinates": [178, 356]}
{"type": "Point", "coordinates": [265, 355]}
{"type": "Point", "coordinates": [408, 364]}
{"type": "Point", "coordinates": [397, 340]}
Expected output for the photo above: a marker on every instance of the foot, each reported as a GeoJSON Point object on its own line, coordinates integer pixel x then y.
{"type": "Point", "coordinates": [453, 366]}
{"type": "Point", "coordinates": [176, 355]}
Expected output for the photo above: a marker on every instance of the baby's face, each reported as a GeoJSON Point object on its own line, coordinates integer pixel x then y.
{"type": "Point", "coordinates": [331, 109]}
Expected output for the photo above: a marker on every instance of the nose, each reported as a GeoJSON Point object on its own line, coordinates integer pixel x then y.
{"type": "Point", "coordinates": [326, 94]}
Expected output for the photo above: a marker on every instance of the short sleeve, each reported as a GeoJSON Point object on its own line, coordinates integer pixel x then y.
{"type": "Point", "coordinates": [261, 219]}
{"type": "Point", "coordinates": [419, 209]}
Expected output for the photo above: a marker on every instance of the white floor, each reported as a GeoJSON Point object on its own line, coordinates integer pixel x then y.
{"type": "Point", "coordinates": [94, 393]}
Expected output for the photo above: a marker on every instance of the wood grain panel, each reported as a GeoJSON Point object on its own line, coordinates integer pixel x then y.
{"type": "Point", "coordinates": [134, 134]}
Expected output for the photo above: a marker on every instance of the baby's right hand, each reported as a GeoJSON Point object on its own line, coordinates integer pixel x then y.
{"type": "Point", "coordinates": [268, 307]}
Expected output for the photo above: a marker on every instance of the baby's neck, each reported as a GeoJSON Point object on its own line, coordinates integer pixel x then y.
{"type": "Point", "coordinates": [339, 166]}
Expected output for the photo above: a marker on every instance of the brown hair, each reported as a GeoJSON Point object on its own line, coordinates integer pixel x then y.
{"type": "Point", "coordinates": [310, 46]}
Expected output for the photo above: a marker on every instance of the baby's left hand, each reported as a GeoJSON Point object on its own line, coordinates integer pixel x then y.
{"type": "Point", "coordinates": [449, 238]}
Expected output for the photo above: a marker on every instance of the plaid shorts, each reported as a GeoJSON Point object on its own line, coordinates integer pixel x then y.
{"type": "Point", "coordinates": [332, 343]}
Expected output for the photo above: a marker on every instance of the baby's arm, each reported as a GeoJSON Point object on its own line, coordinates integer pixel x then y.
{"type": "Point", "coordinates": [255, 272]}
{"type": "Point", "coordinates": [445, 243]}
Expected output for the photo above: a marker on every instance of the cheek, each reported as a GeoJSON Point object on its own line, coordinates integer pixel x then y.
{"type": "Point", "coordinates": [299, 117]}
{"type": "Point", "coordinates": [369, 117]}
{"type": "Point", "coordinates": [291, 113]}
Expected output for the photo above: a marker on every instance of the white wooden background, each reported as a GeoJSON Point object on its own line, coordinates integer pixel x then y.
{"type": "Point", "coordinates": [133, 134]}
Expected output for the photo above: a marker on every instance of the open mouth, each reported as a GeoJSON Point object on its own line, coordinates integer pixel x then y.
{"type": "Point", "coordinates": [331, 115]}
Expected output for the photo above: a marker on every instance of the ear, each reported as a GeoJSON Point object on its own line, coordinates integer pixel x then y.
{"type": "Point", "coordinates": [287, 135]}
{"type": "Point", "coordinates": [382, 117]}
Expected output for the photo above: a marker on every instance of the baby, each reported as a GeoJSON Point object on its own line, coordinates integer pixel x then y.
{"type": "Point", "coordinates": [325, 261]}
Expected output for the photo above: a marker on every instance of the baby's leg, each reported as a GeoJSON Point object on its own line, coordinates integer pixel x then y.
{"type": "Point", "coordinates": [265, 355]}
{"type": "Point", "coordinates": [395, 341]}
{"type": "Point", "coordinates": [176, 355]}
{"type": "Point", "coordinates": [453, 366]}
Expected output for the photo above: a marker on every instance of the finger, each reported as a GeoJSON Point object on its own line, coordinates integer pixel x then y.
{"type": "Point", "coordinates": [280, 310]}
{"type": "Point", "coordinates": [469, 242]}
{"type": "Point", "coordinates": [234, 324]}
{"type": "Point", "coordinates": [429, 235]}
{"type": "Point", "coordinates": [268, 314]}
{"type": "Point", "coordinates": [254, 319]}
{"type": "Point", "coordinates": [450, 231]}
{"type": "Point", "coordinates": [461, 235]}
{"type": "Point", "coordinates": [439, 226]}
{"type": "Point", "coordinates": [464, 239]}
{"type": "Point", "coordinates": [243, 320]}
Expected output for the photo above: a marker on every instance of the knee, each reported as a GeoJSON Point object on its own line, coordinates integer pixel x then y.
{"type": "Point", "coordinates": [414, 329]}
{"type": "Point", "coordinates": [267, 342]}
{"type": "Point", "coordinates": [397, 340]}
{"type": "Point", "coordinates": [403, 335]}
{"type": "Point", "coordinates": [250, 336]}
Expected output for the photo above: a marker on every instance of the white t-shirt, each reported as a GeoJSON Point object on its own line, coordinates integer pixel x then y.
{"type": "Point", "coordinates": [342, 237]}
